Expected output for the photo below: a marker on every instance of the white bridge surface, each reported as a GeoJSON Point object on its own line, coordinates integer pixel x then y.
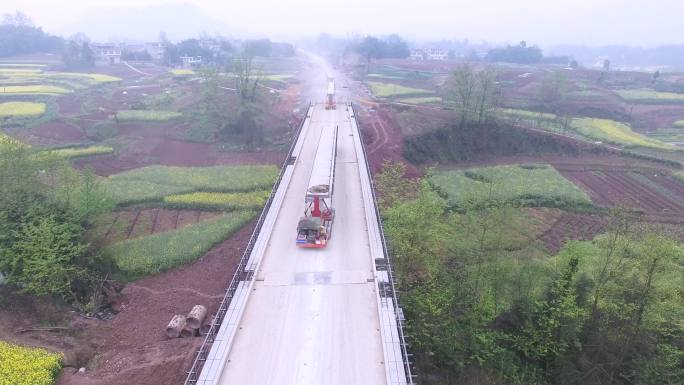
{"type": "Point", "coordinates": [313, 316]}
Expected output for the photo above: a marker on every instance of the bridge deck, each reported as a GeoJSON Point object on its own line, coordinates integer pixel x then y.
{"type": "Point", "coordinates": [312, 317]}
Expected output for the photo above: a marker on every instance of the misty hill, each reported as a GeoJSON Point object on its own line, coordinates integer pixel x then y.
{"type": "Point", "coordinates": [670, 57]}
{"type": "Point", "coordinates": [178, 21]}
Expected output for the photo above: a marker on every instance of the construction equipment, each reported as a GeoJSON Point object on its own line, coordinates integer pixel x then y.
{"type": "Point", "coordinates": [314, 228]}
{"type": "Point", "coordinates": [330, 95]}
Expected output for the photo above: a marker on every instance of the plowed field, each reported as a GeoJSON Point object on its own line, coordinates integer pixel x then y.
{"type": "Point", "coordinates": [654, 193]}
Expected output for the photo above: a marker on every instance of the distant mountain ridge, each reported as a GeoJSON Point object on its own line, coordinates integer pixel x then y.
{"type": "Point", "coordinates": [178, 21]}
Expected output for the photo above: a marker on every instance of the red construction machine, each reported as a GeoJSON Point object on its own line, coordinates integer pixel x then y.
{"type": "Point", "coordinates": [314, 228]}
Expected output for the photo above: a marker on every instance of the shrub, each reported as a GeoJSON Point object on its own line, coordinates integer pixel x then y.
{"type": "Point", "coordinates": [27, 366]}
{"type": "Point", "coordinates": [159, 252]}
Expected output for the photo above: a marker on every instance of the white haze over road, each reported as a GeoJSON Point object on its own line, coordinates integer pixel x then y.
{"type": "Point", "coordinates": [592, 22]}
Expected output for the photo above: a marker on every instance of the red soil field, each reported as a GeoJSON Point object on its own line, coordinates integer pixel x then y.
{"type": "Point", "coordinates": [571, 226]}
{"type": "Point", "coordinates": [127, 224]}
{"type": "Point", "coordinates": [654, 193]}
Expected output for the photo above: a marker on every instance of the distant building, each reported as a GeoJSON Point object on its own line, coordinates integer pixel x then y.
{"type": "Point", "coordinates": [417, 54]}
{"type": "Point", "coordinates": [436, 54]}
{"type": "Point", "coordinates": [191, 61]}
{"type": "Point", "coordinates": [429, 54]}
{"type": "Point", "coordinates": [156, 50]}
{"type": "Point", "coordinates": [106, 53]}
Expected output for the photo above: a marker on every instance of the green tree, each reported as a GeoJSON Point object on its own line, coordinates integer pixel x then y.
{"type": "Point", "coordinates": [44, 258]}
{"type": "Point", "coordinates": [393, 185]}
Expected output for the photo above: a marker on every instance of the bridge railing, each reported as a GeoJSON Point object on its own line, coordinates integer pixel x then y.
{"type": "Point", "coordinates": [410, 378]}
{"type": "Point", "coordinates": [240, 273]}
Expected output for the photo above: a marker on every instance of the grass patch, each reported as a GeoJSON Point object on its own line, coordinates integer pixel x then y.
{"type": "Point", "coordinates": [27, 366]}
{"type": "Point", "coordinates": [679, 124]}
{"type": "Point", "coordinates": [148, 115]}
{"type": "Point", "coordinates": [33, 90]}
{"type": "Point", "coordinates": [422, 100]}
{"type": "Point", "coordinates": [156, 182]}
{"type": "Point", "coordinates": [523, 185]}
{"type": "Point", "coordinates": [650, 96]}
{"type": "Point", "coordinates": [6, 139]}
{"type": "Point", "coordinates": [386, 90]}
{"type": "Point", "coordinates": [181, 72]}
{"type": "Point", "coordinates": [218, 201]}
{"type": "Point", "coordinates": [80, 152]}
{"type": "Point", "coordinates": [21, 109]}
{"type": "Point", "coordinates": [159, 252]}
{"type": "Point", "coordinates": [617, 133]}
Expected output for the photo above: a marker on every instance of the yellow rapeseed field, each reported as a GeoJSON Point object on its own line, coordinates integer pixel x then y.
{"type": "Point", "coordinates": [78, 152]}
{"type": "Point", "coordinates": [27, 366]}
{"type": "Point", "coordinates": [219, 201]}
{"type": "Point", "coordinates": [21, 109]}
{"type": "Point", "coordinates": [99, 78]}
{"type": "Point", "coordinates": [616, 132]}
{"type": "Point", "coordinates": [181, 72]}
{"type": "Point", "coordinates": [33, 90]}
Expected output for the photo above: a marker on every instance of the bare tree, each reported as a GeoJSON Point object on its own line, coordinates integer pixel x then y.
{"type": "Point", "coordinates": [463, 90]}
{"type": "Point", "coordinates": [247, 77]}
{"type": "Point", "coordinates": [487, 94]}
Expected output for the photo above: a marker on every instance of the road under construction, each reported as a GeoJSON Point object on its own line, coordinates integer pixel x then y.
{"type": "Point", "coordinates": [296, 315]}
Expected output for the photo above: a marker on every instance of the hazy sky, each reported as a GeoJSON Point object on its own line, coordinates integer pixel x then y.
{"type": "Point", "coordinates": [545, 22]}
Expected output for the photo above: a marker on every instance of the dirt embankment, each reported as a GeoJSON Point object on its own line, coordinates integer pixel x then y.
{"type": "Point", "coordinates": [132, 348]}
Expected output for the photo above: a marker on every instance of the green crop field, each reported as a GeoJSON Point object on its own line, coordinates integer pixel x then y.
{"type": "Point", "coordinates": [650, 96]}
{"type": "Point", "coordinates": [528, 185]}
{"type": "Point", "coordinates": [386, 90]}
{"type": "Point", "coordinates": [278, 77]}
{"type": "Point", "coordinates": [525, 114]}
{"type": "Point", "coordinates": [218, 201]}
{"type": "Point", "coordinates": [156, 182]}
{"type": "Point", "coordinates": [147, 115]}
{"type": "Point", "coordinates": [422, 100]}
{"type": "Point", "coordinates": [21, 109]}
{"type": "Point", "coordinates": [384, 76]}
{"type": "Point", "coordinates": [80, 152]}
{"type": "Point", "coordinates": [27, 366]}
{"type": "Point", "coordinates": [159, 252]}
{"type": "Point", "coordinates": [617, 133]}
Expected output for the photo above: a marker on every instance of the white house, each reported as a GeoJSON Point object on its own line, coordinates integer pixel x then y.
{"type": "Point", "coordinates": [107, 53]}
{"type": "Point", "coordinates": [191, 61]}
{"type": "Point", "coordinates": [417, 54]}
{"type": "Point", "coordinates": [436, 54]}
